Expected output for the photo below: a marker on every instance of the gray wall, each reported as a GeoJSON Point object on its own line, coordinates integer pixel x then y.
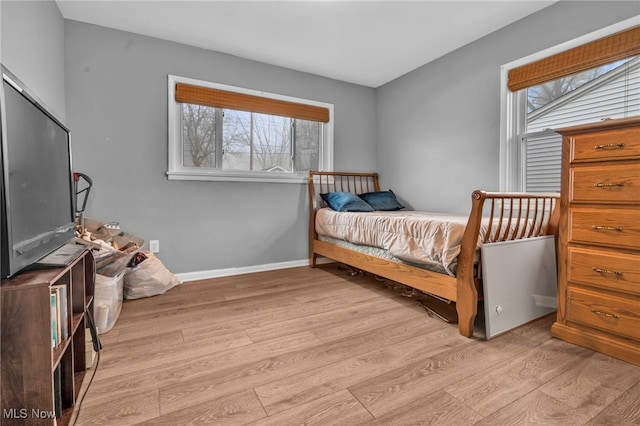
{"type": "Point", "coordinates": [32, 48]}
{"type": "Point", "coordinates": [438, 126]}
{"type": "Point", "coordinates": [117, 108]}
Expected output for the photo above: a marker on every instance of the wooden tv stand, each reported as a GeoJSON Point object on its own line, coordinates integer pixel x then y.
{"type": "Point", "coordinates": [30, 383]}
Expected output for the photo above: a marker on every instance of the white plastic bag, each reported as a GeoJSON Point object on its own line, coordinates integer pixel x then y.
{"type": "Point", "coordinates": [107, 301]}
{"type": "Point", "coordinates": [148, 278]}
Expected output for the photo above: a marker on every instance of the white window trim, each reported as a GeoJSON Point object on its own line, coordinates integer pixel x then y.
{"type": "Point", "coordinates": [175, 170]}
{"type": "Point", "coordinates": [510, 116]}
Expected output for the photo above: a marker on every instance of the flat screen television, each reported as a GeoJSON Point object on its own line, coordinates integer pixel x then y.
{"type": "Point", "coordinates": [38, 214]}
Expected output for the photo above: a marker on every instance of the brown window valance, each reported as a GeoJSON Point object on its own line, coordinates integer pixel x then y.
{"type": "Point", "coordinates": [581, 58]}
{"type": "Point", "coordinates": [224, 99]}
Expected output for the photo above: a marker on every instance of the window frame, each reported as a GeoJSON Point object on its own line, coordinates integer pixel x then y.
{"type": "Point", "coordinates": [513, 106]}
{"type": "Point", "coordinates": [176, 171]}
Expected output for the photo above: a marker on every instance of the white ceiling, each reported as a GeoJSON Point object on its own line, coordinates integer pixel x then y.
{"type": "Point", "coordinates": [363, 42]}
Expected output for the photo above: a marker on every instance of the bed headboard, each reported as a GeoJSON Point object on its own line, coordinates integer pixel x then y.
{"type": "Point", "coordinates": [322, 182]}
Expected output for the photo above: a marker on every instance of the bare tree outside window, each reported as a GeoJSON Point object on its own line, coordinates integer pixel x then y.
{"type": "Point", "coordinates": [253, 141]}
{"type": "Point", "coordinates": [307, 148]}
{"type": "Point", "coordinates": [272, 143]}
{"type": "Point", "coordinates": [198, 136]}
{"type": "Point", "coordinates": [541, 95]}
{"type": "Point", "coordinates": [250, 141]}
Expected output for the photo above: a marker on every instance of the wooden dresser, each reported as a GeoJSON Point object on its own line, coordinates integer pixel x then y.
{"type": "Point", "coordinates": [599, 243]}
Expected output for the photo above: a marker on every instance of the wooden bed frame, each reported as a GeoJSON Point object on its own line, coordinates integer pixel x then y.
{"type": "Point", "coordinates": [528, 215]}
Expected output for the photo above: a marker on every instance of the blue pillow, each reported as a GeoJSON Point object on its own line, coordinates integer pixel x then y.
{"type": "Point", "coordinates": [345, 202]}
{"type": "Point", "coordinates": [382, 200]}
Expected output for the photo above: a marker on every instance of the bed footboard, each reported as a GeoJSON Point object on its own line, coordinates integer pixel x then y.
{"type": "Point", "coordinates": [506, 216]}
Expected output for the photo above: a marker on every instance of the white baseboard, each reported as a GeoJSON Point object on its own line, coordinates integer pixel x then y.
{"type": "Point", "coordinates": [227, 272]}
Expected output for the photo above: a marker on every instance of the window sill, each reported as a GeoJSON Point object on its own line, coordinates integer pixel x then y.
{"type": "Point", "coordinates": [230, 176]}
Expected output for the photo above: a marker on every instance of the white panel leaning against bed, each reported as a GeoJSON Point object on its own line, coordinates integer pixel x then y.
{"type": "Point", "coordinates": [511, 216]}
{"type": "Point", "coordinates": [520, 282]}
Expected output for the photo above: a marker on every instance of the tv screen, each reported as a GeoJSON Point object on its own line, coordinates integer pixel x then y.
{"type": "Point", "coordinates": [38, 212]}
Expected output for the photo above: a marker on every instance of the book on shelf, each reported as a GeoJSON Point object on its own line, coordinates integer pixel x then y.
{"type": "Point", "coordinates": [62, 310]}
{"type": "Point", "coordinates": [59, 314]}
{"type": "Point", "coordinates": [57, 391]}
{"type": "Point", "coordinates": [58, 320]}
{"type": "Point", "coordinates": [54, 320]}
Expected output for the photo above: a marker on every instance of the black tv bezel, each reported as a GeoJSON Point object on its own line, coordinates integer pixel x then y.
{"type": "Point", "coordinates": [50, 240]}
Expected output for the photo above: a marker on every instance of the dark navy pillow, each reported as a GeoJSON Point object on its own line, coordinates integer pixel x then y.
{"type": "Point", "coordinates": [382, 200]}
{"type": "Point", "coordinates": [345, 202]}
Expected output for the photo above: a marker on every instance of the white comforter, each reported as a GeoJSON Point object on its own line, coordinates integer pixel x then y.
{"type": "Point", "coordinates": [418, 237]}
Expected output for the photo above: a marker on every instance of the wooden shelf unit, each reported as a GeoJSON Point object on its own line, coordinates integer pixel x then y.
{"type": "Point", "coordinates": [28, 361]}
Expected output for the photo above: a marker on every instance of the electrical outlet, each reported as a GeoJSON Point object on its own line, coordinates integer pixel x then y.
{"type": "Point", "coordinates": [154, 246]}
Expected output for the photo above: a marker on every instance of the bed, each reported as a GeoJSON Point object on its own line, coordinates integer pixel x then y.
{"type": "Point", "coordinates": [454, 275]}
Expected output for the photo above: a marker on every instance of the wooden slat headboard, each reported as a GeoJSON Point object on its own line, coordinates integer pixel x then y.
{"type": "Point", "coordinates": [356, 183]}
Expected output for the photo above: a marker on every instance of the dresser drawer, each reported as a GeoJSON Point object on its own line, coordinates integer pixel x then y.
{"type": "Point", "coordinates": [612, 183]}
{"type": "Point", "coordinates": [609, 313]}
{"type": "Point", "coordinates": [606, 145]}
{"type": "Point", "coordinates": [605, 269]}
{"type": "Point", "coordinates": [612, 227]}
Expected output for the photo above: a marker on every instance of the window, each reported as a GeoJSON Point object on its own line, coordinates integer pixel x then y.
{"type": "Point", "coordinates": [218, 132]}
{"type": "Point", "coordinates": [608, 91]}
{"type": "Point", "coordinates": [545, 96]}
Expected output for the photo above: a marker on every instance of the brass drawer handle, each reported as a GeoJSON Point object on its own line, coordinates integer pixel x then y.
{"type": "Point", "coordinates": [605, 271]}
{"type": "Point", "coordinates": [607, 228]}
{"type": "Point", "coordinates": [605, 314]}
{"type": "Point", "coordinates": [607, 185]}
{"type": "Point", "coordinates": [610, 145]}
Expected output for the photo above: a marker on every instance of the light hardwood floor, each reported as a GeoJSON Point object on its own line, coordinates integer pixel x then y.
{"type": "Point", "coordinates": [318, 346]}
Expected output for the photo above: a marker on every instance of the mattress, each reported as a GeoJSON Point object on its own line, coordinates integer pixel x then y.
{"type": "Point", "coordinates": [425, 239]}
